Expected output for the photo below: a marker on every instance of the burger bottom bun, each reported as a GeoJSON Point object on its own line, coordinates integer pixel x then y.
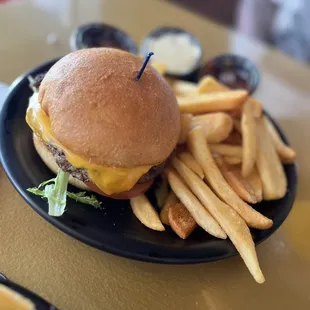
{"type": "Point", "coordinates": [50, 162]}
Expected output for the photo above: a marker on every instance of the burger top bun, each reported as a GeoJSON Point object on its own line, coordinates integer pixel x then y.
{"type": "Point", "coordinates": [100, 112]}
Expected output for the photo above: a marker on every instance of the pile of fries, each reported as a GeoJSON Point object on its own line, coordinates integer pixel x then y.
{"type": "Point", "coordinates": [229, 155]}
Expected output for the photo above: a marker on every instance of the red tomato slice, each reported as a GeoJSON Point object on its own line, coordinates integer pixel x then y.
{"type": "Point", "coordinates": [137, 190]}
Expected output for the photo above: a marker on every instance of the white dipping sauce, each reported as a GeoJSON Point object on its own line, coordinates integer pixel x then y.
{"type": "Point", "coordinates": [175, 50]}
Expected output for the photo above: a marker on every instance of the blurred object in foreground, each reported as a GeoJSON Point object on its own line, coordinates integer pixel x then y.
{"type": "Point", "coordinates": [16, 297]}
{"type": "Point", "coordinates": [284, 23]}
{"type": "Point", "coordinates": [4, 90]}
{"type": "Point", "coordinates": [4, 1]}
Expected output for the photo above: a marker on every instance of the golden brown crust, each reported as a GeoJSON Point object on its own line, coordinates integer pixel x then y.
{"type": "Point", "coordinates": [181, 221]}
{"type": "Point", "coordinates": [101, 113]}
{"type": "Point", "coordinates": [49, 161]}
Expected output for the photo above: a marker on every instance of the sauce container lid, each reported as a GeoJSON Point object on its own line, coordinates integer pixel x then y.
{"type": "Point", "coordinates": [234, 71]}
{"type": "Point", "coordinates": [101, 35]}
{"type": "Point", "coordinates": [192, 73]}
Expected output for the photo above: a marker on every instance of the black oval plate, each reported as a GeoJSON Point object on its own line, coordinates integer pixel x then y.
{"type": "Point", "coordinates": [113, 229]}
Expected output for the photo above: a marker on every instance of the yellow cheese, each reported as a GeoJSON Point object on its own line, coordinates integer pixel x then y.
{"type": "Point", "coordinates": [110, 180]}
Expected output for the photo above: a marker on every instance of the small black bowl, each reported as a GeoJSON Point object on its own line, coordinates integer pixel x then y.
{"type": "Point", "coordinates": [192, 75]}
{"type": "Point", "coordinates": [101, 35]}
{"type": "Point", "coordinates": [38, 301]}
{"type": "Point", "coordinates": [234, 71]}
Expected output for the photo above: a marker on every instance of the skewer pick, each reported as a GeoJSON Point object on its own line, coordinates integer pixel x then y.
{"type": "Point", "coordinates": [146, 60]}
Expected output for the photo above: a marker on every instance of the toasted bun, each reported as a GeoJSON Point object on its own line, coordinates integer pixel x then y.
{"type": "Point", "coordinates": [100, 112]}
{"type": "Point", "coordinates": [50, 162]}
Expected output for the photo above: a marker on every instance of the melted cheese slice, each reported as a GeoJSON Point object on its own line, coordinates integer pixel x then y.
{"type": "Point", "coordinates": [110, 180]}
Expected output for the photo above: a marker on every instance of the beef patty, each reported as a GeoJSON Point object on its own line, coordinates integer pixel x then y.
{"type": "Point", "coordinates": [82, 175]}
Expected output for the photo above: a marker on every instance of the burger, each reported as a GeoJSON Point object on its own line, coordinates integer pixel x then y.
{"type": "Point", "coordinates": [99, 127]}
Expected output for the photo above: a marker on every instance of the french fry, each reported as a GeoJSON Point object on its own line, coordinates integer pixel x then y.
{"type": "Point", "coordinates": [227, 149]}
{"type": "Point", "coordinates": [236, 181]}
{"type": "Point", "coordinates": [199, 148]}
{"type": "Point", "coordinates": [248, 128]}
{"type": "Point", "coordinates": [269, 166]}
{"type": "Point", "coordinates": [234, 226]}
{"type": "Point", "coordinates": [160, 67]}
{"type": "Point", "coordinates": [171, 200]}
{"type": "Point", "coordinates": [256, 107]}
{"type": "Point", "coordinates": [191, 163]}
{"type": "Point", "coordinates": [231, 160]}
{"type": "Point", "coordinates": [186, 119]}
{"type": "Point", "coordinates": [183, 88]}
{"type": "Point", "coordinates": [146, 213]}
{"type": "Point", "coordinates": [286, 154]}
{"type": "Point", "coordinates": [209, 84]}
{"type": "Point", "coordinates": [212, 102]}
{"type": "Point", "coordinates": [195, 208]}
{"type": "Point", "coordinates": [181, 221]}
{"type": "Point", "coordinates": [256, 183]}
{"type": "Point", "coordinates": [217, 126]}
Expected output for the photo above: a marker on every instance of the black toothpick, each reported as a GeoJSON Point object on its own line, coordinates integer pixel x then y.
{"type": "Point", "coordinates": [146, 60]}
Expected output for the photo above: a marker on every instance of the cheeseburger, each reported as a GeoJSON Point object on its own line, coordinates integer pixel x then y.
{"type": "Point", "coordinates": [91, 119]}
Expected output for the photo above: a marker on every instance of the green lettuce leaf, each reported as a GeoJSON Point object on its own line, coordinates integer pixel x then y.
{"type": "Point", "coordinates": [56, 194]}
{"type": "Point", "coordinates": [82, 198]}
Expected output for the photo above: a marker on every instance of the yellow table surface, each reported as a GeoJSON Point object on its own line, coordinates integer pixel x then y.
{"type": "Point", "coordinates": [75, 276]}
